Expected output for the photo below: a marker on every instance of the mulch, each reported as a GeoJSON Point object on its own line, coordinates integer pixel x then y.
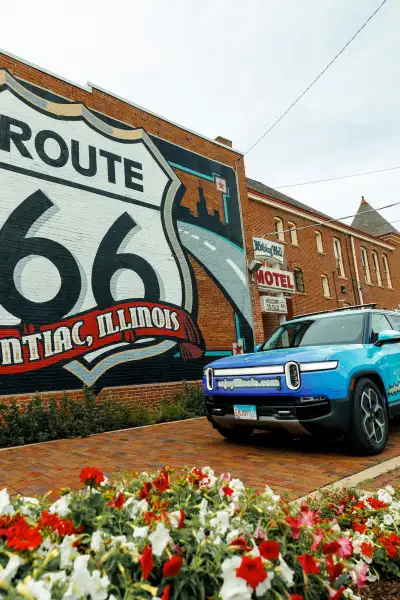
{"type": "Point", "coordinates": [381, 590]}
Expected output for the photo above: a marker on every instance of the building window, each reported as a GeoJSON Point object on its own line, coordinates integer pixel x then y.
{"type": "Point", "coordinates": [375, 262]}
{"type": "Point", "coordinates": [365, 265]}
{"type": "Point", "coordinates": [293, 234]}
{"type": "Point", "coordinates": [337, 249]}
{"type": "Point", "coordinates": [325, 286]}
{"type": "Point", "coordinates": [318, 241]}
{"type": "Point", "coordinates": [387, 270]}
{"type": "Point", "coordinates": [298, 280]}
{"type": "Point", "coordinates": [279, 229]}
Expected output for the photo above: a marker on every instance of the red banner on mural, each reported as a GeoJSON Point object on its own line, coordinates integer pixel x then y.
{"type": "Point", "coordinates": [27, 348]}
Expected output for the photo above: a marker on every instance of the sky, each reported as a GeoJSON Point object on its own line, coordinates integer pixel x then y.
{"type": "Point", "coordinates": [230, 68]}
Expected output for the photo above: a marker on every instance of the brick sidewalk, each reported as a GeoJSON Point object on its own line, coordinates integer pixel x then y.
{"type": "Point", "coordinates": [390, 478]}
{"type": "Point", "coordinates": [296, 467]}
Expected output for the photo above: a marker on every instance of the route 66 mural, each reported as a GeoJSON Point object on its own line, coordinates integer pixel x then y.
{"type": "Point", "coordinates": [93, 272]}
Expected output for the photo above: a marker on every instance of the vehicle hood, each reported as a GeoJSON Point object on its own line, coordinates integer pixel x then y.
{"type": "Point", "coordinates": [284, 355]}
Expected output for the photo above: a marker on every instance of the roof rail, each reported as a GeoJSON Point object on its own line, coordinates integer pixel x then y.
{"type": "Point", "coordinates": [323, 312]}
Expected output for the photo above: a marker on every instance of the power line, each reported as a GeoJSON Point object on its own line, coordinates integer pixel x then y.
{"type": "Point", "coordinates": [322, 223]}
{"type": "Point", "coordinates": [279, 187]}
{"type": "Point", "coordinates": [315, 80]}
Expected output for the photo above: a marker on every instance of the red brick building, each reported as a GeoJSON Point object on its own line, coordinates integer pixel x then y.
{"type": "Point", "coordinates": [334, 265]}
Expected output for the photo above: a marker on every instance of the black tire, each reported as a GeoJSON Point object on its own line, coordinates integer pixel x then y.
{"type": "Point", "coordinates": [239, 434]}
{"type": "Point", "coordinates": [369, 426]}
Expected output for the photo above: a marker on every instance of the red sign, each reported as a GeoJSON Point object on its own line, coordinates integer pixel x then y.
{"type": "Point", "coordinates": [274, 279]}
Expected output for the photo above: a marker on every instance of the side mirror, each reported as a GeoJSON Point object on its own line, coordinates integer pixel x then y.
{"type": "Point", "coordinates": [387, 336]}
{"type": "Point", "coordinates": [259, 346]}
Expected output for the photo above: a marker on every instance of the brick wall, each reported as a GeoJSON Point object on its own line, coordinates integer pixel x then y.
{"type": "Point", "coordinates": [343, 290]}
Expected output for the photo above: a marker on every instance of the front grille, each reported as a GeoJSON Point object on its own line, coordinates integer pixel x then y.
{"type": "Point", "coordinates": [279, 407]}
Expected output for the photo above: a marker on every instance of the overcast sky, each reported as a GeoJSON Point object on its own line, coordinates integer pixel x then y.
{"type": "Point", "coordinates": [228, 67]}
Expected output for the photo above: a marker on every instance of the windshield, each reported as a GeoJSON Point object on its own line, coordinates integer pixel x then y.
{"type": "Point", "coordinates": [343, 329]}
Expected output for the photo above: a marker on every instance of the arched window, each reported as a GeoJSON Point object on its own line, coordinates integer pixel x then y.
{"type": "Point", "coordinates": [325, 286]}
{"type": "Point", "coordinates": [337, 249]}
{"type": "Point", "coordinates": [293, 234]}
{"type": "Point", "coordinates": [377, 269]}
{"type": "Point", "coordinates": [318, 241]}
{"type": "Point", "coordinates": [279, 229]}
{"type": "Point", "coordinates": [365, 265]}
{"type": "Point", "coordinates": [298, 280]}
{"type": "Point", "coordinates": [387, 270]}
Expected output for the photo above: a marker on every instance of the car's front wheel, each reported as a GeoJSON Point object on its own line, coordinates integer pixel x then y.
{"type": "Point", "coordinates": [369, 426]}
{"type": "Point", "coordinates": [235, 434]}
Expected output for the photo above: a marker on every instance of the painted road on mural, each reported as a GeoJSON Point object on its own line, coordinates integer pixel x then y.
{"type": "Point", "coordinates": [222, 259]}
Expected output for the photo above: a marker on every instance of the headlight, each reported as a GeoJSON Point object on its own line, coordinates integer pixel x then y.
{"type": "Point", "coordinates": [208, 374]}
{"type": "Point", "coordinates": [327, 365]}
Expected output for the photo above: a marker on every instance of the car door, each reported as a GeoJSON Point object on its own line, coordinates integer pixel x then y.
{"type": "Point", "coordinates": [389, 357]}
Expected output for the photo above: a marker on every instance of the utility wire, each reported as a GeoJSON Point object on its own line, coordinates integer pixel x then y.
{"type": "Point", "coordinates": [315, 80]}
{"type": "Point", "coordinates": [279, 187]}
{"type": "Point", "coordinates": [322, 223]}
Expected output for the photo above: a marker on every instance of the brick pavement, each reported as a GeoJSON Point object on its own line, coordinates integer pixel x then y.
{"type": "Point", "coordinates": [390, 478]}
{"type": "Point", "coordinates": [295, 467]}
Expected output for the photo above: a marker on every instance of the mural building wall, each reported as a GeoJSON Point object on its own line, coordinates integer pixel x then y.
{"type": "Point", "coordinates": [122, 260]}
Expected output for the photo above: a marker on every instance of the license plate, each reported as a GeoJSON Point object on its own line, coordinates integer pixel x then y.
{"type": "Point", "coordinates": [245, 412]}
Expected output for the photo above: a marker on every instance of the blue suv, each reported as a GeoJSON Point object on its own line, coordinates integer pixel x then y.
{"type": "Point", "coordinates": [336, 372]}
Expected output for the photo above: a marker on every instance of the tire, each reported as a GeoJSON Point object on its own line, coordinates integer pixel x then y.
{"type": "Point", "coordinates": [369, 425]}
{"type": "Point", "coordinates": [235, 434]}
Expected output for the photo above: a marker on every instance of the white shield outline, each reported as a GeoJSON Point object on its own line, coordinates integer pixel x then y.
{"type": "Point", "coordinates": [74, 111]}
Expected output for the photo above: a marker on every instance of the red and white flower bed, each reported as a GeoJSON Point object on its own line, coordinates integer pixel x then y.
{"type": "Point", "coordinates": [198, 536]}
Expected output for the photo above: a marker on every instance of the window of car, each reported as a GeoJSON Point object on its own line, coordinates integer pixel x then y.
{"type": "Point", "coordinates": [338, 329]}
{"type": "Point", "coordinates": [379, 322]}
{"type": "Point", "coordinates": [396, 321]}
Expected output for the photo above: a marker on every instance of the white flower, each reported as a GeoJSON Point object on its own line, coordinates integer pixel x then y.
{"type": "Point", "coordinates": [140, 532]}
{"type": "Point", "coordinates": [237, 486]}
{"type": "Point", "coordinates": [388, 519]}
{"type": "Point", "coordinates": [6, 507]}
{"type": "Point", "coordinates": [174, 518]}
{"type": "Point", "coordinates": [96, 541]}
{"type": "Point", "coordinates": [136, 507]}
{"type": "Point", "coordinates": [385, 497]}
{"type": "Point", "coordinates": [34, 589]}
{"type": "Point", "coordinates": [211, 477]}
{"type": "Point", "coordinates": [232, 535]}
{"type": "Point", "coordinates": [233, 588]}
{"type": "Point", "coordinates": [285, 572]}
{"type": "Point", "coordinates": [265, 585]}
{"type": "Point", "coordinates": [79, 582]}
{"type": "Point", "coordinates": [348, 593]}
{"type": "Point", "coordinates": [274, 497]}
{"type": "Point", "coordinates": [54, 577]}
{"type": "Point", "coordinates": [8, 572]}
{"type": "Point", "coordinates": [159, 539]}
{"type": "Point", "coordinates": [371, 522]}
{"type": "Point", "coordinates": [28, 505]}
{"type": "Point", "coordinates": [67, 551]}
{"type": "Point", "coordinates": [220, 521]}
{"type": "Point", "coordinates": [104, 482]}
{"type": "Point", "coordinates": [45, 547]}
{"type": "Point", "coordinates": [98, 585]}
{"type": "Point", "coordinates": [200, 535]}
{"type": "Point", "coordinates": [61, 506]}
{"type": "Point", "coordinates": [203, 511]}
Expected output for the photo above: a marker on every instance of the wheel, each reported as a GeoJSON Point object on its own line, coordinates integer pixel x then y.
{"type": "Point", "coordinates": [369, 427]}
{"type": "Point", "coordinates": [235, 434]}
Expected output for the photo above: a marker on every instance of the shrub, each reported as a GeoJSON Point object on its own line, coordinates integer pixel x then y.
{"type": "Point", "coordinates": [192, 399]}
{"type": "Point", "coordinates": [148, 537]}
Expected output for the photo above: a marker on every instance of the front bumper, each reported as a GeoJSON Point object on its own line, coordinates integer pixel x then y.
{"type": "Point", "coordinates": [287, 412]}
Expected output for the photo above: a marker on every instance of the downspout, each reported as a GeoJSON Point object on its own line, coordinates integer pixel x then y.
{"type": "Point", "coordinates": [356, 270]}
{"type": "Point", "coordinates": [334, 285]}
{"type": "Point", "coordinates": [353, 285]}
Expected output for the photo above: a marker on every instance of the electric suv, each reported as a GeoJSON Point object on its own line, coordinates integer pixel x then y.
{"type": "Point", "coordinates": [331, 373]}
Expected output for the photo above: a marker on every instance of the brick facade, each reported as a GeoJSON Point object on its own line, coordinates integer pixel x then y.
{"type": "Point", "coordinates": [344, 290]}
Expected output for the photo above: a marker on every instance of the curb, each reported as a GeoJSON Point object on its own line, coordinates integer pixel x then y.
{"type": "Point", "coordinates": [357, 478]}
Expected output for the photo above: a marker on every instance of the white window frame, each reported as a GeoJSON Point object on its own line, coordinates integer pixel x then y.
{"type": "Point", "coordinates": [365, 265]}
{"type": "Point", "coordinates": [377, 269]}
{"type": "Point", "coordinates": [387, 271]}
{"type": "Point", "coordinates": [293, 233]}
{"type": "Point", "coordinates": [326, 288]}
{"type": "Point", "coordinates": [302, 280]}
{"type": "Point", "coordinates": [337, 251]}
{"type": "Point", "coordinates": [319, 242]}
{"type": "Point", "coordinates": [279, 229]}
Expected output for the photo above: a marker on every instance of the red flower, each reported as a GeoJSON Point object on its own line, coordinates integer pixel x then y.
{"type": "Point", "coordinates": [252, 570]}
{"type": "Point", "coordinates": [18, 533]}
{"type": "Point", "coordinates": [227, 490]}
{"type": "Point", "coordinates": [146, 561]}
{"type": "Point", "coordinates": [359, 527]}
{"type": "Point", "coordinates": [376, 504]}
{"type": "Point", "coordinates": [91, 476]}
{"type": "Point", "coordinates": [118, 501]}
{"type": "Point", "coordinates": [309, 564]}
{"type": "Point", "coordinates": [165, 594]}
{"type": "Point", "coordinates": [240, 544]}
{"type": "Point", "coordinates": [269, 549]}
{"type": "Point", "coordinates": [151, 516]}
{"type": "Point", "coordinates": [56, 523]}
{"type": "Point", "coordinates": [294, 525]}
{"type": "Point", "coordinates": [172, 567]}
{"type": "Point", "coordinates": [296, 597]}
{"type": "Point", "coordinates": [331, 547]}
{"type": "Point", "coordinates": [144, 493]}
{"type": "Point", "coordinates": [367, 549]}
{"type": "Point", "coordinates": [161, 483]}
{"type": "Point", "coordinates": [336, 594]}
{"type": "Point", "coordinates": [346, 548]}
{"type": "Point", "coordinates": [334, 571]}
{"type": "Point", "coordinates": [181, 524]}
